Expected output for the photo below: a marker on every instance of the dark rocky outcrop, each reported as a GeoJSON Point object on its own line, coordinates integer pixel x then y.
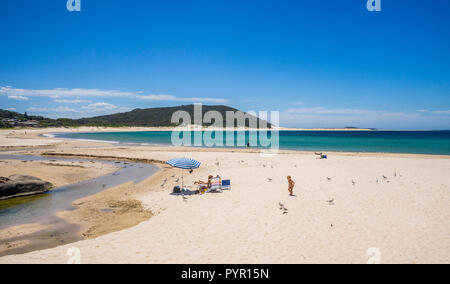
{"type": "Point", "coordinates": [19, 185]}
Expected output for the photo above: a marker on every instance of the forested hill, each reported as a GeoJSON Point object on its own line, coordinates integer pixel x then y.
{"type": "Point", "coordinates": [151, 117]}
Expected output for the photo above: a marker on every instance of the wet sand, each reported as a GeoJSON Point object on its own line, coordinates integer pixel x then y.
{"type": "Point", "coordinates": [59, 173]}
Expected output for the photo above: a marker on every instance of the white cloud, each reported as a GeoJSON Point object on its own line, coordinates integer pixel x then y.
{"type": "Point", "coordinates": [326, 112]}
{"type": "Point", "coordinates": [323, 110]}
{"type": "Point", "coordinates": [178, 99]}
{"type": "Point", "coordinates": [100, 106]}
{"type": "Point", "coordinates": [438, 112]}
{"type": "Point", "coordinates": [11, 109]}
{"type": "Point", "coordinates": [441, 112]}
{"type": "Point", "coordinates": [321, 117]}
{"type": "Point", "coordinates": [18, 98]}
{"type": "Point", "coordinates": [46, 110]}
{"type": "Point", "coordinates": [77, 101]}
{"type": "Point", "coordinates": [58, 93]}
{"type": "Point", "coordinates": [85, 111]}
{"type": "Point", "coordinates": [158, 97]}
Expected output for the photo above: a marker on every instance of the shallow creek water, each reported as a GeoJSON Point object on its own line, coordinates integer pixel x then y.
{"type": "Point", "coordinates": [43, 208]}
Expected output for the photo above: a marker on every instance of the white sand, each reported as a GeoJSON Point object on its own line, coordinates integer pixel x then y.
{"type": "Point", "coordinates": [9, 138]}
{"type": "Point", "coordinates": [407, 218]}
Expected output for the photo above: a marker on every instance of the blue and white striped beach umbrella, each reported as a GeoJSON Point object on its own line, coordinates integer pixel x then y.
{"type": "Point", "coordinates": [184, 163]}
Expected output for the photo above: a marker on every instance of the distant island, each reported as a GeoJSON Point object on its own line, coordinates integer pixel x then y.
{"type": "Point", "coordinates": [150, 117]}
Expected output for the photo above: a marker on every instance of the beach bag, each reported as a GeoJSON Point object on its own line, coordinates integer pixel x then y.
{"type": "Point", "coordinates": [176, 189]}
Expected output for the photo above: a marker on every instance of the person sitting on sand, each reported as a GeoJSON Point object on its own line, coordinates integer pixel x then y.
{"type": "Point", "coordinates": [291, 185]}
{"type": "Point", "coordinates": [204, 185]}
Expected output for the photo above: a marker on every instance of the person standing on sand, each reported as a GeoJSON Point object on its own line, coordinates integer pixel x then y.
{"type": "Point", "coordinates": [291, 185]}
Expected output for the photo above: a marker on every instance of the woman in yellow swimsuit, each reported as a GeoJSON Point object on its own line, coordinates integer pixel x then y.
{"type": "Point", "coordinates": [204, 186]}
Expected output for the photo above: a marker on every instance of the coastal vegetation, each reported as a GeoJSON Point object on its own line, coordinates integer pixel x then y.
{"type": "Point", "coordinates": [150, 117]}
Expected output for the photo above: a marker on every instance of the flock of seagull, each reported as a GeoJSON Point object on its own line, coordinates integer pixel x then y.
{"type": "Point", "coordinates": [331, 201]}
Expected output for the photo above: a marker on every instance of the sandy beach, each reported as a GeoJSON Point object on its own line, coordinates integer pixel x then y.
{"type": "Point", "coordinates": [345, 206]}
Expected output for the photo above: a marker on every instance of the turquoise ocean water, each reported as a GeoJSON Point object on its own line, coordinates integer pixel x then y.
{"type": "Point", "coordinates": [417, 142]}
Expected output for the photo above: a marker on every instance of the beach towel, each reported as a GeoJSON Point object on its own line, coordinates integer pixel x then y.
{"type": "Point", "coordinates": [215, 185]}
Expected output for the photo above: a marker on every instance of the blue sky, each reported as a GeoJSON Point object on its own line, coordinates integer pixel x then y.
{"type": "Point", "coordinates": [324, 63]}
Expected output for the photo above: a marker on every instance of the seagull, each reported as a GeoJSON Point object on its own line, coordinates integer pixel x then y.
{"type": "Point", "coordinates": [353, 182]}
{"type": "Point", "coordinates": [177, 180]}
{"type": "Point", "coordinates": [328, 178]}
{"type": "Point", "coordinates": [269, 179]}
{"type": "Point", "coordinates": [285, 210]}
{"type": "Point", "coordinates": [385, 177]}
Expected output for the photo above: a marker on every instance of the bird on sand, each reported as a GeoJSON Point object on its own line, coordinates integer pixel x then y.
{"type": "Point", "coordinates": [281, 205]}
{"type": "Point", "coordinates": [285, 210]}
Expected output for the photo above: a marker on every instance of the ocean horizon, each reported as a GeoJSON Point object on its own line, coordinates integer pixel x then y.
{"type": "Point", "coordinates": [382, 141]}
